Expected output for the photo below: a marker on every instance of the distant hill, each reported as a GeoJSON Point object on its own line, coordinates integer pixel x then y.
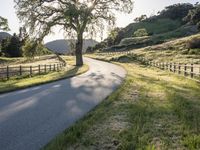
{"type": "Point", "coordinates": [4, 35]}
{"type": "Point", "coordinates": [63, 46]}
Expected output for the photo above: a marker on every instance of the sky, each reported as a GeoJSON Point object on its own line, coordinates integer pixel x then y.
{"type": "Point", "coordinates": [141, 7]}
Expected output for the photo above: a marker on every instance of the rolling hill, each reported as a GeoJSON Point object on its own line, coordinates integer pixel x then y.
{"type": "Point", "coordinates": [64, 47]}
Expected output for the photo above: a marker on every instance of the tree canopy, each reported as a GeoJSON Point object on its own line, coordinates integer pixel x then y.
{"type": "Point", "coordinates": [141, 18]}
{"type": "Point", "coordinates": [4, 24]}
{"type": "Point", "coordinates": [77, 17]}
{"type": "Point", "coordinates": [194, 16]}
{"type": "Point", "coordinates": [176, 11]}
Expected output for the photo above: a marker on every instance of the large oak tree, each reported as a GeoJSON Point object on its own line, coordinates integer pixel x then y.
{"type": "Point", "coordinates": [77, 17]}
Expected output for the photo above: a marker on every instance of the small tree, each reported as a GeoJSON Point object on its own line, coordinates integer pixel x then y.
{"type": "Point", "coordinates": [29, 49]}
{"type": "Point", "coordinates": [4, 46]}
{"type": "Point", "coordinates": [11, 46]}
{"type": "Point", "coordinates": [77, 17]}
{"type": "Point", "coordinates": [113, 36]}
{"type": "Point", "coordinates": [140, 33]}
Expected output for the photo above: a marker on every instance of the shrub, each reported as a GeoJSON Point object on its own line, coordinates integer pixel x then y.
{"type": "Point", "coordinates": [140, 33]}
{"type": "Point", "coordinates": [193, 43]}
{"type": "Point", "coordinates": [134, 40]}
{"type": "Point", "coordinates": [194, 52]}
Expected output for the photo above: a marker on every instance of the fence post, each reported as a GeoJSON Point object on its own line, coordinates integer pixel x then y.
{"type": "Point", "coordinates": [167, 67]}
{"type": "Point", "coordinates": [192, 71]}
{"type": "Point", "coordinates": [20, 70]}
{"type": "Point", "coordinates": [50, 67]}
{"type": "Point", "coordinates": [185, 70]}
{"type": "Point", "coordinates": [174, 67]}
{"type": "Point", "coordinates": [7, 72]}
{"type": "Point", "coordinates": [170, 66]}
{"type": "Point", "coordinates": [30, 70]}
{"type": "Point", "coordinates": [57, 67]}
{"type": "Point", "coordinates": [179, 68]}
{"type": "Point", "coordinates": [39, 69]}
{"type": "Point", "coordinates": [163, 66]}
{"type": "Point", "coordinates": [45, 68]}
{"type": "Point", "coordinates": [199, 71]}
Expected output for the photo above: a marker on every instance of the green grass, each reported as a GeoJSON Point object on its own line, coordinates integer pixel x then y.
{"type": "Point", "coordinates": [24, 82]}
{"type": "Point", "coordinates": [153, 109]}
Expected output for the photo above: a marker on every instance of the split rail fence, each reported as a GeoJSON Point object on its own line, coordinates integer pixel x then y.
{"type": "Point", "coordinates": [187, 70]}
{"type": "Point", "coordinates": [15, 71]}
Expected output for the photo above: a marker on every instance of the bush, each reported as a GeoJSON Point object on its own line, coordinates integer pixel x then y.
{"type": "Point", "coordinates": [194, 52]}
{"type": "Point", "coordinates": [140, 33]}
{"type": "Point", "coordinates": [134, 40]}
{"type": "Point", "coordinates": [193, 43]}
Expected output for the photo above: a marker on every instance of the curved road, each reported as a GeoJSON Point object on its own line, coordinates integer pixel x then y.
{"type": "Point", "coordinates": [30, 118]}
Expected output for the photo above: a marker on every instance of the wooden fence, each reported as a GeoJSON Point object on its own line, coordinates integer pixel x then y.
{"type": "Point", "coordinates": [188, 70]}
{"type": "Point", "coordinates": [9, 71]}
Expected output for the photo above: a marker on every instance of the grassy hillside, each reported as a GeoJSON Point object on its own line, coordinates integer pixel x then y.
{"type": "Point", "coordinates": [139, 42]}
{"type": "Point", "coordinates": [173, 51]}
{"type": "Point", "coordinates": [156, 26]}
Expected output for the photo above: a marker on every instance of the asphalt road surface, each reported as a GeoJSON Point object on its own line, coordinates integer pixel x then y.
{"type": "Point", "coordinates": [30, 118]}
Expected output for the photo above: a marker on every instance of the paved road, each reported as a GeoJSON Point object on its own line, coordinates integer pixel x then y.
{"type": "Point", "coordinates": [30, 118]}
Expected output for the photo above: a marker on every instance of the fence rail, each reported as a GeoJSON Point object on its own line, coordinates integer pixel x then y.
{"type": "Point", "coordinates": [9, 71]}
{"type": "Point", "coordinates": [187, 70]}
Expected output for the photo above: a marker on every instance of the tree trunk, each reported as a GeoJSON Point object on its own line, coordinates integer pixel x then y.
{"type": "Point", "coordinates": [78, 52]}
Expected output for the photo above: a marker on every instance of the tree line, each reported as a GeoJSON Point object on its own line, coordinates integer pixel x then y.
{"type": "Point", "coordinates": [20, 45]}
